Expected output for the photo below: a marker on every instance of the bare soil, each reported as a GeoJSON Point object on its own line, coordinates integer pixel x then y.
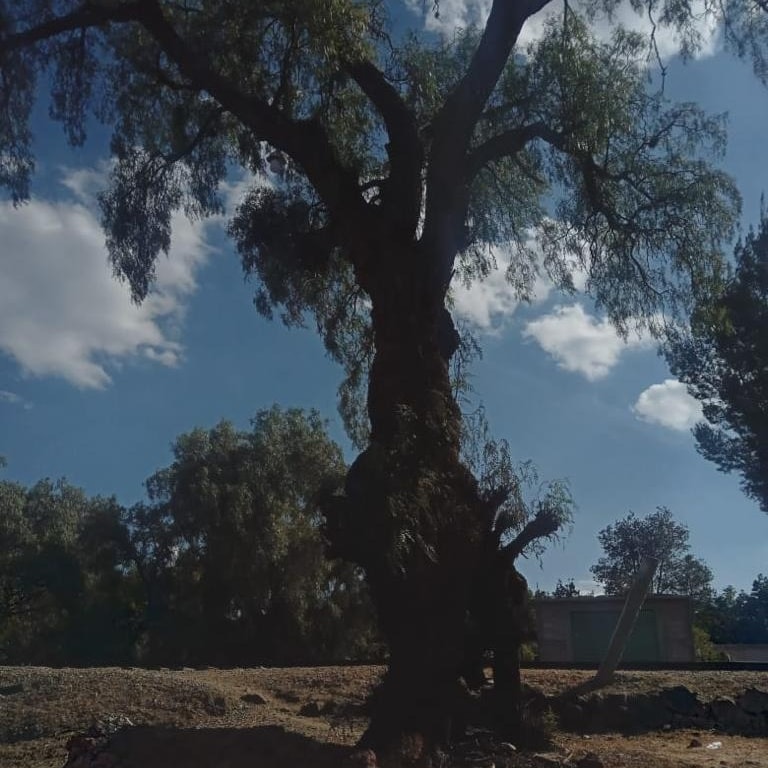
{"type": "Point", "coordinates": [308, 717]}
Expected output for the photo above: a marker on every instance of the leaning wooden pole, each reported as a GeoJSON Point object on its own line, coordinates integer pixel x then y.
{"type": "Point", "coordinates": [626, 622]}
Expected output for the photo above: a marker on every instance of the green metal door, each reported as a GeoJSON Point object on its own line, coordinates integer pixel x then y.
{"type": "Point", "coordinates": [591, 633]}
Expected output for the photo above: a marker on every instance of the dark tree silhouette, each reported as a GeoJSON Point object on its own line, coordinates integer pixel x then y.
{"type": "Point", "coordinates": [723, 359]}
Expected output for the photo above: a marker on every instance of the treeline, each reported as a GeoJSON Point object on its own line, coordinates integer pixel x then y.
{"type": "Point", "coordinates": [738, 617]}
{"type": "Point", "coordinates": [222, 564]}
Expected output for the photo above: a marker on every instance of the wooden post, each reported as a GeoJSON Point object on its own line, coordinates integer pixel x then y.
{"type": "Point", "coordinates": [626, 622]}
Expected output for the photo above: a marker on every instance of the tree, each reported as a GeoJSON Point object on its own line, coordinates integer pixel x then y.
{"type": "Point", "coordinates": [65, 597]}
{"type": "Point", "coordinates": [230, 551]}
{"type": "Point", "coordinates": [565, 589]}
{"type": "Point", "coordinates": [395, 163]}
{"type": "Point", "coordinates": [723, 359]}
{"type": "Point", "coordinates": [742, 617]}
{"type": "Point", "coordinates": [631, 540]}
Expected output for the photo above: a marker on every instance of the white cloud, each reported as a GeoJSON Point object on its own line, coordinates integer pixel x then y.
{"type": "Point", "coordinates": [589, 587]}
{"type": "Point", "coordinates": [580, 342]}
{"type": "Point", "coordinates": [669, 405]}
{"type": "Point", "coordinates": [62, 313]}
{"type": "Point", "coordinates": [488, 303]}
{"type": "Point", "coordinates": [463, 13]}
{"type": "Point", "coordinates": [11, 398]}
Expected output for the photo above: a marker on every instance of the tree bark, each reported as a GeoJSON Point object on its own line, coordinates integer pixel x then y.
{"type": "Point", "coordinates": [412, 516]}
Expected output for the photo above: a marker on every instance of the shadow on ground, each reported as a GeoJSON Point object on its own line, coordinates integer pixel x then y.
{"type": "Point", "coordinates": [266, 747]}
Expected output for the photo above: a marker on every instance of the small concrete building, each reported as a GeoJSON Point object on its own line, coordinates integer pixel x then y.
{"type": "Point", "coordinates": [579, 629]}
{"type": "Point", "coordinates": [746, 652]}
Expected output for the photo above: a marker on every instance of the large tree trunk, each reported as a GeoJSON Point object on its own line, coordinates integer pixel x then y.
{"type": "Point", "coordinates": [413, 517]}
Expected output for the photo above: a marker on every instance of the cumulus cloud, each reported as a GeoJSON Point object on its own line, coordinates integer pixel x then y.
{"type": "Point", "coordinates": [464, 13]}
{"type": "Point", "coordinates": [579, 342]}
{"type": "Point", "coordinates": [488, 303]}
{"type": "Point", "coordinates": [669, 405]}
{"type": "Point", "coordinates": [62, 313]}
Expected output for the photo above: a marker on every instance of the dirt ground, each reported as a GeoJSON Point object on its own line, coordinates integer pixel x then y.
{"type": "Point", "coordinates": [308, 717]}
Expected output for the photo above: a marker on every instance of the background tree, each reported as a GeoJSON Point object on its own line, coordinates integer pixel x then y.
{"type": "Point", "coordinates": [739, 617]}
{"type": "Point", "coordinates": [222, 564]}
{"type": "Point", "coordinates": [631, 540]}
{"type": "Point", "coordinates": [565, 589]}
{"type": "Point", "coordinates": [64, 597]}
{"type": "Point", "coordinates": [231, 555]}
{"type": "Point", "coordinates": [724, 361]}
{"type": "Point", "coordinates": [397, 162]}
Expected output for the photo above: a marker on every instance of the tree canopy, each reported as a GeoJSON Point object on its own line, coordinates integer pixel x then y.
{"type": "Point", "coordinates": [723, 359]}
{"type": "Point", "coordinates": [629, 541]}
{"type": "Point", "coordinates": [455, 144]}
{"type": "Point", "coordinates": [222, 564]}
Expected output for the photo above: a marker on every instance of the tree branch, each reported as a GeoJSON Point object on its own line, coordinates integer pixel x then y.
{"type": "Point", "coordinates": [87, 15]}
{"type": "Point", "coordinates": [545, 523]}
{"type": "Point", "coordinates": [454, 124]}
{"type": "Point", "coordinates": [304, 140]}
{"type": "Point", "coordinates": [405, 150]}
{"type": "Point", "coordinates": [506, 144]}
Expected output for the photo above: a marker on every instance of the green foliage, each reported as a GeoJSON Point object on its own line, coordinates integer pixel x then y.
{"type": "Point", "coordinates": [223, 564]}
{"type": "Point", "coordinates": [232, 535]}
{"type": "Point", "coordinates": [629, 541]}
{"type": "Point", "coordinates": [63, 595]}
{"type": "Point", "coordinates": [569, 149]}
{"type": "Point", "coordinates": [724, 361]}
{"type": "Point", "coordinates": [522, 496]}
{"type": "Point", "coordinates": [704, 648]}
{"type": "Point", "coordinates": [738, 617]}
{"type": "Point", "coordinates": [744, 25]}
{"type": "Point", "coordinates": [565, 589]}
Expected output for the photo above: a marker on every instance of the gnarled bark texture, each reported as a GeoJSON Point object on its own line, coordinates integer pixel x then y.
{"type": "Point", "coordinates": [413, 517]}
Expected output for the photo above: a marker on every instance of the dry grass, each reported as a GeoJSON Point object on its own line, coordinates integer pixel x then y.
{"type": "Point", "coordinates": [199, 718]}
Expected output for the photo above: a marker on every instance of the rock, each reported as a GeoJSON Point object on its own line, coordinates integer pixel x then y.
{"type": "Point", "coordinates": [590, 760]}
{"type": "Point", "coordinates": [215, 705]}
{"type": "Point", "coordinates": [732, 718]}
{"type": "Point", "coordinates": [645, 712]}
{"type": "Point", "coordinates": [753, 700]}
{"type": "Point", "coordinates": [681, 701]}
{"type": "Point", "coordinates": [310, 709]}
{"type": "Point", "coordinates": [695, 743]}
{"type": "Point", "coordinates": [254, 698]}
{"type": "Point", "coordinates": [10, 690]}
{"type": "Point", "coordinates": [329, 708]}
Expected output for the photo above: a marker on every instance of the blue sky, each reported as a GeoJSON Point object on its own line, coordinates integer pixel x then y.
{"type": "Point", "coordinates": [96, 389]}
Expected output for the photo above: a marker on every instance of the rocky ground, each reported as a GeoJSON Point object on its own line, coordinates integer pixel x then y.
{"type": "Point", "coordinates": [309, 717]}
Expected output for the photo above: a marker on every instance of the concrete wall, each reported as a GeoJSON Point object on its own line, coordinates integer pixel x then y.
{"type": "Point", "coordinates": [673, 625]}
{"type": "Point", "coordinates": [744, 651]}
